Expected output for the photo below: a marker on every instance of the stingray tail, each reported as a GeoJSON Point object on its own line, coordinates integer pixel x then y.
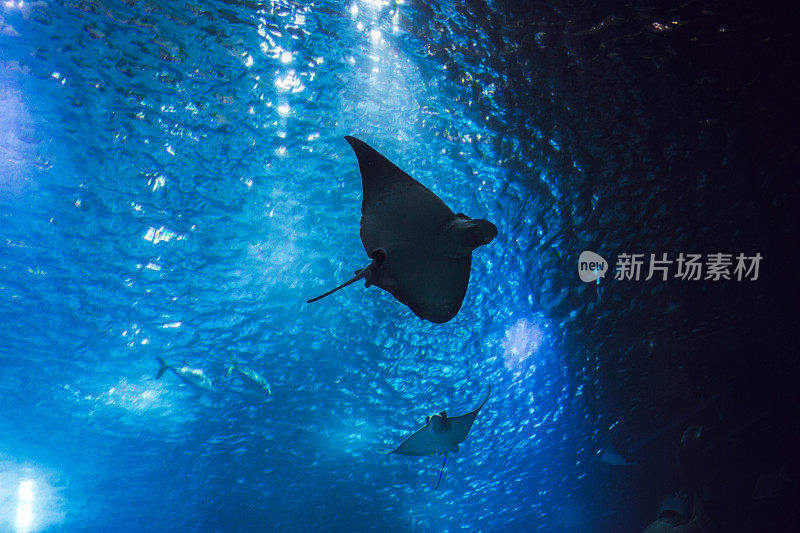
{"type": "Point", "coordinates": [360, 274]}
{"type": "Point", "coordinates": [442, 470]}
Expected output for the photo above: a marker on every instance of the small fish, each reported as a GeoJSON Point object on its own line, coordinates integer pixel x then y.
{"type": "Point", "coordinates": [253, 381]}
{"type": "Point", "coordinates": [194, 377]}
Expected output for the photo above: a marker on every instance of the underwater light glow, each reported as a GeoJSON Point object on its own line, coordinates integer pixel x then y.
{"type": "Point", "coordinates": [522, 340]}
{"type": "Point", "coordinates": [134, 397]}
{"type": "Point", "coordinates": [28, 500]}
{"type": "Point", "coordinates": [16, 130]}
{"type": "Point", "coordinates": [25, 513]}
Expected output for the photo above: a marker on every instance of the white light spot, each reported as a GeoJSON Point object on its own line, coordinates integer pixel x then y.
{"type": "Point", "coordinates": [286, 57]}
{"type": "Point", "coordinates": [158, 182]}
{"type": "Point", "coordinates": [290, 83]}
{"type": "Point", "coordinates": [522, 340]}
{"type": "Point", "coordinates": [25, 516]}
{"type": "Point", "coordinates": [161, 234]}
{"type": "Point", "coordinates": [284, 110]}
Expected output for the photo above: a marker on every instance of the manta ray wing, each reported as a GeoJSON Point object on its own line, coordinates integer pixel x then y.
{"type": "Point", "coordinates": [384, 182]}
{"type": "Point", "coordinates": [432, 287]}
{"type": "Point", "coordinates": [460, 425]}
{"type": "Point", "coordinates": [423, 442]}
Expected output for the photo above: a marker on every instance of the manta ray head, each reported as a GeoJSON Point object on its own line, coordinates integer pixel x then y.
{"type": "Point", "coordinates": [481, 233]}
{"type": "Point", "coordinates": [440, 423]}
{"type": "Point", "coordinates": [467, 234]}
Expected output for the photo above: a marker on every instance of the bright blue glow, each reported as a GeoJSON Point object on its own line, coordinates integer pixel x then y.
{"type": "Point", "coordinates": [192, 190]}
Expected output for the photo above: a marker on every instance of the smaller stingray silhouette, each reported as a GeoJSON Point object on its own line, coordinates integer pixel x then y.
{"type": "Point", "coordinates": [441, 434]}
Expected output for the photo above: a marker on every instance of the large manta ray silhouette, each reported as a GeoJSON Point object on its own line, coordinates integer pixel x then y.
{"type": "Point", "coordinates": [441, 434]}
{"type": "Point", "coordinates": [421, 251]}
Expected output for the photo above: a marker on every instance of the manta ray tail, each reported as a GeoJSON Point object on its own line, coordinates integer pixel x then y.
{"type": "Point", "coordinates": [378, 257]}
{"type": "Point", "coordinates": [442, 470]}
{"type": "Point", "coordinates": [163, 368]}
{"type": "Point", "coordinates": [360, 274]}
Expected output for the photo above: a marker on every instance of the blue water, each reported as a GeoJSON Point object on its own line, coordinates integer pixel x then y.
{"type": "Point", "coordinates": [174, 182]}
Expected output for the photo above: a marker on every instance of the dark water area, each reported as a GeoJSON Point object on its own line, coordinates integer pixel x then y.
{"type": "Point", "coordinates": [674, 129]}
{"type": "Point", "coordinates": [174, 183]}
{"type": "Point", "coordinates": [689, 133]}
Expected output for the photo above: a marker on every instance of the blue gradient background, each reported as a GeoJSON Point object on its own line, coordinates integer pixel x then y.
{"type": "Point", "coordinates": [174, 182]}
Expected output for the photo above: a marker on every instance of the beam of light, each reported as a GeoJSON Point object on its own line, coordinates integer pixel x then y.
{"type": "Point", "coordinates": [28, 500]}
{"type": "Point", "coordinates": [16, 131]}
{"type": "Point", "coordinates": [25, 506]}
{"type": "Point", "coordinates": [385, 91]}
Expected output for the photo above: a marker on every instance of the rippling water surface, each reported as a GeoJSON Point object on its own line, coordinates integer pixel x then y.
{"type": "Point", "coordinates": [174, 182]}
